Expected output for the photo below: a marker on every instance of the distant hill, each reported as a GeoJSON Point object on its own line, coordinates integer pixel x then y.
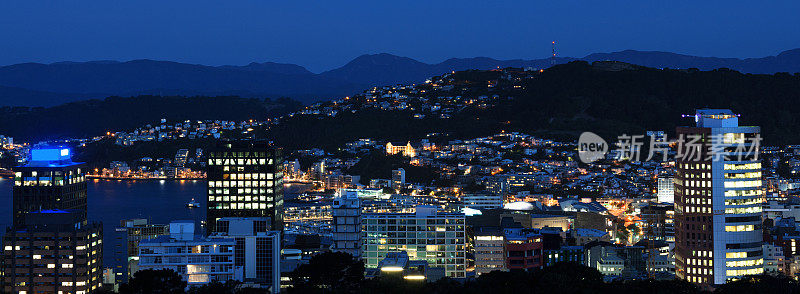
{"type": "Point", "coordinates": [139, 77]}
{"type": "Point", "coordinates": [94, 117]}
{"type": "Point", "coordinates": [35, 84]}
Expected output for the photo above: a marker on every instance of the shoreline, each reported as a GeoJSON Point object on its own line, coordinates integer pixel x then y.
{"type": "Point", "coordinates": [88, 177]}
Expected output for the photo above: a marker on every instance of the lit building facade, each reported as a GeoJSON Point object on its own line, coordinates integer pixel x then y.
{"type": "Point", "coordinates": [199, 260]}
{"type": "Point", "coordinates": [49, 181]}
{"type": "Point", "coordinates": [489, 251]}
{"type": "Point", "coordinates": [405, 150]}
{"type": "Point", "coordinates": [245, 179]}
{"type": "Point", "coordinates": [438, 238]}
{"type": "Point", "coordinates": [347, 223]}
{"type": "Point", "coordinates": [482, 201]}
{"type": "Point", "coordinates": [54, 251]}
{"type": "Point", "coordinates": [718, 200]}
{"type": "Point", "coordinates": [666, 189]}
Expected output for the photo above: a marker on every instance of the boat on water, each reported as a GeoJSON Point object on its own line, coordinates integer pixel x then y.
{"type": "Point", "coordinates": [193, 204]}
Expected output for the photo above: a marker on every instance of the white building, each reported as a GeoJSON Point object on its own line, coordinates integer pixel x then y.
{"type": "Point", "coordinates": [347, 223]}
{"type": "Point", "coordinates": [436, 237]}
{"type": "Point", "coordinates": [482, 201]}
{"type": "Point", "coordinates": [666, 189]}
{"type": "Point", "coordinates": [197, 259]}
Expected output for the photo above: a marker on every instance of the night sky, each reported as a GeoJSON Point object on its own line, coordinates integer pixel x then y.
{"type": "Point", "coordinates": [325, 34]}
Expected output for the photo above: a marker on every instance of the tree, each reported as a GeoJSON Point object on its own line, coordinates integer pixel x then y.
{"type": "Point", "coordinates": [337, 272]}
{"type": "Point", "coordinates": [760, 284]}
{"type": "Point", "coordinates": [162, 281]}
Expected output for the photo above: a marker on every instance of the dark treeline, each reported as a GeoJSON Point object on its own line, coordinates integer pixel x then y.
{"type": "Point", "coordinates": [95, 117]}
{"type": "Point", "coordinates": [339, 273]}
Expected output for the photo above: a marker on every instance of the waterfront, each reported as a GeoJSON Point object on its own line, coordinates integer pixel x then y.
{"type": "Point", "coordinates": [110, 201]}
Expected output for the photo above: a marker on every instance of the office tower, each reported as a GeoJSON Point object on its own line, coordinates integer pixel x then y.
{"type": "Point", "coordinates": [436, 237]}
{"type": "Point", "coordinates": [199, 260]}
{"type": "Point", "coordinates": [136, 230]}
{"type": "Point", "coordinates": [718, 200]}
{"type": "Point", "coordinates": [347, 223]}
{"type": "Point", "coordinates": [489, 253]}
{"type": "Point", "coordinates": [398, 178]}
{"type": "Point", "coordinates": [245, 179]}
{"type": "Point", "coordinates": [53, 251]}
{"type": "Point", "coordinates": [666, 189]}
{"type": "Point", "coordinates": [257, 249]}
{"type": "Point", "coordinates": [49, 181]}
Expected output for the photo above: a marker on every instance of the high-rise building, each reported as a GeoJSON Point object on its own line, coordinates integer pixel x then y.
{"type": "Point", "coordinates": [666, 189]}
{"type": "Point", "coordinates": [718, 199]}
{"type": "Point", "coordinates": [134, 231]}
{"type": "Point", "coordinates": [49, 181]}
{"type": "Point", "coordinates": [347, 223]}
{"type": "Point", "coordinates": [398, 178]}
{"type": "Point", "coordinates": [436, 237]}
{"type": "Point", "coordinates": [245, 179]}
{"type": "Point", "coordinates": [257, 249]}
{"type": "Point", "coordinates": [53, 251]}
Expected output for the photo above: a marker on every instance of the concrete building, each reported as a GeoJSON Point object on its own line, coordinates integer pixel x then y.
{"type": "Point", "coordinates": [659, 222]}
{"type": "Point", "coordinates": [53, 251]}
{"type": "Point", "coordinates": [347, 223]}
{"type": "Point", "coordinates": [437, 237]}
{"type": "Point", "coordinates": [718, 196]}
{"type": "Point", "coordinates": [573, 254]}
{"type": "Point", "coordinates": [489, 250]}
{"type": "Point", "coordinates": [523, 249]}
{"type": "Point", "coordinates": [257, 249]}
{"type": "Point", "coordinates": [482, 201]}
{"type": "Point", "coordinates": [199, 260]}
{"type": "Point", "coordinates": [136, 230]}
{"type": "Point", "coordinates": [245, 179]}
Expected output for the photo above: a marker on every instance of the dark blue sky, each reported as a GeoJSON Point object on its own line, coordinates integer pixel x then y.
{"type": "Point", "coordinates": [325, 34]}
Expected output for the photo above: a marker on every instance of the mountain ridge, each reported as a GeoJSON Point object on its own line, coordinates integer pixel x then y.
{"type": "Point", "coordinates": [84, 80]}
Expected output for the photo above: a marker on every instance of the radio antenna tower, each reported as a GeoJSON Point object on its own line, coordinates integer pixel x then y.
{"type": "Point", "coordinates": [553, 60]}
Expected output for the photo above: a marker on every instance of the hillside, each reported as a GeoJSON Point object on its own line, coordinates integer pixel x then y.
{"type": "Point", "coordinates": [608, 98]}
{"type": "Point", "coordinates": [95, 117]}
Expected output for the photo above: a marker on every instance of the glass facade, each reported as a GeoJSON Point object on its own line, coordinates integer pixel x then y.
{"type": "Point", "coordinates": [437, 238]}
